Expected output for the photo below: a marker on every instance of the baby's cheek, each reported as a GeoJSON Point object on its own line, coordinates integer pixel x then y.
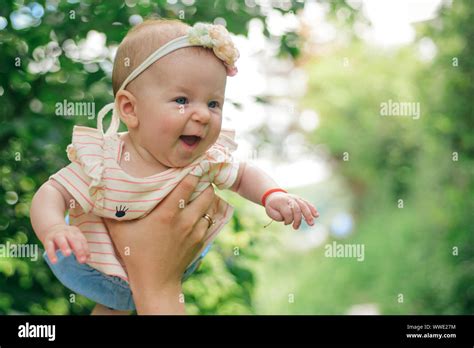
{"type": "Point", "coordinates": [170, 123]}
{"type": "Point", "coordinates": [211, 139]}
{"type": "Point", "coordinates": [215, 130]}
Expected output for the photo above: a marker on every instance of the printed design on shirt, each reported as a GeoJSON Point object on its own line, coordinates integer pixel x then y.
{"type": "Point", "coordinates": [120, 211]}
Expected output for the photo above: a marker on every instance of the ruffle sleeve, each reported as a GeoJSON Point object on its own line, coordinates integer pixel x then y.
{"type": "Point", "coordinates": [83, 177]}
{"type": "Point", "coordinates": [219, 162]}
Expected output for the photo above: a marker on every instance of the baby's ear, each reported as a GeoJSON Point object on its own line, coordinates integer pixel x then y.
{"type": "Point", "coordinates": [126, 104]}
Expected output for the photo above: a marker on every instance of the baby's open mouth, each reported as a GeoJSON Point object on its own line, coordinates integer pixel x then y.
{"type": "Point", "coordinates": [190, 140]}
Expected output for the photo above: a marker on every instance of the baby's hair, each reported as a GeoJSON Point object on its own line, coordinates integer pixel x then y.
{"type": "Point", "coordinates": [141, 41]}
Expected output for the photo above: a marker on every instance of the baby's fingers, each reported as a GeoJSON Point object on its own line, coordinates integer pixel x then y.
{"type": "Point", "coordinates": [274, 214]}
{"type": "Point", "coordinates": [51, 251]}
{"type": "Point", "coordinates": [296, 214]}
{"type": "Point", "coordinates": [78, 248]}
{"type": "Point", "coordinates": [306, 211]}
{"type": "Point", "coordinates": [62, 244]}
{"type": "Point", "coordinates": [287, 213]}
{"type": "Point", "coordinates": [311, 207]}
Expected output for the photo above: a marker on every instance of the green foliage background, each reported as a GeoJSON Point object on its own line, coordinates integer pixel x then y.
{"type": "Point", "coordinates": [408, 250]}
{"type": "Point", "coordinates": [425, 251]}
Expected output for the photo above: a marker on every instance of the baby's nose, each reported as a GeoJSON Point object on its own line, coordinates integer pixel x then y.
{"type": "Point", "coordinates": [201, 114]}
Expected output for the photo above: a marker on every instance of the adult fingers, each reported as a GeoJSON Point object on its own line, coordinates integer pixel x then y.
{"type": "Point", "coordinates": [201, 230]}
{"type": "Point", "coordinates": [203, 203]}
{"type": "Point", "coordinates": [180, 194]}
{"type": "Point", "coordinates": [110, 223]}
{"type": "Point", "coordinates": [202, 224]}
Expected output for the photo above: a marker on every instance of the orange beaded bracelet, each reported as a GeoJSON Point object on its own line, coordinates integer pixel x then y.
{"type": "Point", "coordinates": [265, 195]}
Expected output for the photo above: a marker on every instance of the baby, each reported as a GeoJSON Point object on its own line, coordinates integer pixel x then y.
{"type": "Point", "coordinates": [169, 84]}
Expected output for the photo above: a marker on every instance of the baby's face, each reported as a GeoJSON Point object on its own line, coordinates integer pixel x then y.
{"type": "Point", "coordinates": [179, 102]}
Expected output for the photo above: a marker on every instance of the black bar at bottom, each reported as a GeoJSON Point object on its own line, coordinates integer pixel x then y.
{"type": "Point", "coordinates": [69, 330]}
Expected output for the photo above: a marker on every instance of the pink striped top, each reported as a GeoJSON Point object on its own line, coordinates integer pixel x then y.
{"type": "Point", "coordinates": [102, 189]}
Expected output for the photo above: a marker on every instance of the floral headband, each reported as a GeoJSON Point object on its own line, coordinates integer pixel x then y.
{"type": "Point", "coordinates": [216, 37]}
{"type": "Point", "coordinates": [201, 34]}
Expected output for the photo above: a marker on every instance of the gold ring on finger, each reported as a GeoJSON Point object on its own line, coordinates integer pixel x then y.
{"type": "Point", "coordinates": [209, 220]}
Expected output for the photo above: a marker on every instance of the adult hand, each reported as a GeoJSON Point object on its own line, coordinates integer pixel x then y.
{"type": "Point", "coordinates": [158, 248]}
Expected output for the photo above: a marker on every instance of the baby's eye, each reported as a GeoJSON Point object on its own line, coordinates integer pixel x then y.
{"type": "Point", "coordinates": [213, 104]}
{"type": "Point", "coordinates": [181, 100]}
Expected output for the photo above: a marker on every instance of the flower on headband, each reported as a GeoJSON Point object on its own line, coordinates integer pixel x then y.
{"type": "Point", "coordinates": [218, 38]}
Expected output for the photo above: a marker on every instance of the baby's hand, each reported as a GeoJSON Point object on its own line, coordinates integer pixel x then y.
{"type": "Point", "coordinates": [66, 237]}
{"type": "Point", "coordinates": [290, 208]}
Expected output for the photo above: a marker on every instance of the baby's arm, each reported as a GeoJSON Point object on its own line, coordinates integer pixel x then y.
{"type": "Point", "coordinates": [47, 219]}
{"type": "Point", "coordinates": [252, 183]}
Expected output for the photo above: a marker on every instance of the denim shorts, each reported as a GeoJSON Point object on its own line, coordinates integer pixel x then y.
{"type": "Point", "coordinates": [110, 291]}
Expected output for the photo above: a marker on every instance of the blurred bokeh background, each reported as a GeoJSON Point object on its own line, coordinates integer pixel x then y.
{"type": "Point", "coordinates": [307, 104]}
